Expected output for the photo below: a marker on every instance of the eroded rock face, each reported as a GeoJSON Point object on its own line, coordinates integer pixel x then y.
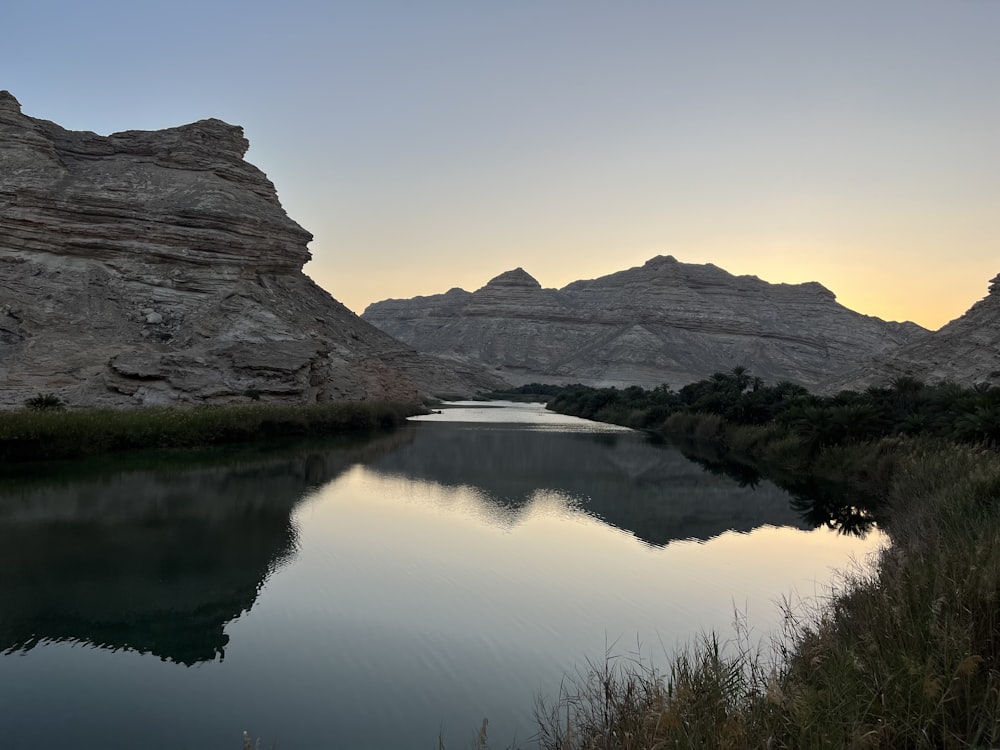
{"type": "Point", "coordinates": [159, 267]}
{"type": "Point", "coordinates": [664, 322]}
{"type": "Point", "coordinates": [965, 351]}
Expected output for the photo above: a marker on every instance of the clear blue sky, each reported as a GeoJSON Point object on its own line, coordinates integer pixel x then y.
{"type": "Point", "coordinates": [428, 145]}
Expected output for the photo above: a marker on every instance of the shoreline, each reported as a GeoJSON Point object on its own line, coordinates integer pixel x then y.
{"type": "Point", "coordinates": [33, 436]}
{"type": "Point", "coordinates": [904, 653]}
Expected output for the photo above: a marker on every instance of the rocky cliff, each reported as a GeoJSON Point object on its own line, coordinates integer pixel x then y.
{"type": "Point", "coordinates": [663, 322]}
{"type": "Point", "coordinates": [159, 267]}
{"type": "Point", "coordinates": [966, 351]}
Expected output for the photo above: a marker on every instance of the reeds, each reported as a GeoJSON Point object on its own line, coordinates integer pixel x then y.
{"type": "Point", "coordinates": [29, 435]}
{"type": "Point", "coordinates": [905, 653]}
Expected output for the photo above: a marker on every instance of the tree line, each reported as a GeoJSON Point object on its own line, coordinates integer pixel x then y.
{"type": "Point", "coordinates": [906, 406]}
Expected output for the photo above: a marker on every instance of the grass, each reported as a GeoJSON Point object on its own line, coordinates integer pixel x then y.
{"type": "Point", "coordinates": [33, 435]}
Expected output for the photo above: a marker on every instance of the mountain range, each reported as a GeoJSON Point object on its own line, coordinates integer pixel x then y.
{"type": "Point", "coordinates": [159, 267]}
{"type": "Point", "coordinates": [662, 322]}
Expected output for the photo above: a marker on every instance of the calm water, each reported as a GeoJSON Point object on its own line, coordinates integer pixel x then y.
{"type": "Point", "coordinates": [374, 595]}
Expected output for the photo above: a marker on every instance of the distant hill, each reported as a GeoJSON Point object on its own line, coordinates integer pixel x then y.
{"type": "Point", "coordinates": [966, 351]}
{"type": "Point", "coordinates": [664, 322]}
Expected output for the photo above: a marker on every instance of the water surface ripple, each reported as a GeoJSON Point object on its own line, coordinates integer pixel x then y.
{"type": "Point", "coordinates": [376, 594]}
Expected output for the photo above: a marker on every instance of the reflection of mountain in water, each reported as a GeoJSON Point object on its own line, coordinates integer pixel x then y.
{"type": "Point", "coordinates": [156, 560]}
{"type": "Point", "coordinates": [820, 501]}
{"type": "Point", "coordinates": [650, 490]}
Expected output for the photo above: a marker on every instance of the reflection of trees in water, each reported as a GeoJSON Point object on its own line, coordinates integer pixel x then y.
{"type": "Point", "coordinates": [836, 508]}
{"type": "Point", "coordinates": [166, 587]}
{"type": "Point", "coordinates": [622, 479]}
{"type": "Point", "coordinates": [156, 560]}
{"type": "Point", "coordinates": [820, 502]}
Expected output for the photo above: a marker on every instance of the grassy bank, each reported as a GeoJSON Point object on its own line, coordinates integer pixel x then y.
{"type": "Point", "coordinates": [49, 434]}
{"type": "Point", "coordinates": [905, 653]}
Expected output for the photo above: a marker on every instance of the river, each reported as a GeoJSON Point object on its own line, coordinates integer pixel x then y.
{"type": "Point", "coordinates": [379, 593]}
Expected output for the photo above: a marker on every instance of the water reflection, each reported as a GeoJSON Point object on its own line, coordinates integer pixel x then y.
{"type": "Point", "coordinates": [156, 560]}
{"type": "Point", "coordinates": [819, 502]}
{"type": "Point", "coordinates": [441, 574]}
{"type": "Point", "coordinates": [623, 478]}
{"type": "Point", "coordinates": [160, 557]}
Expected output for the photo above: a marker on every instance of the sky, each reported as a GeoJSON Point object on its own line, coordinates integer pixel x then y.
{"type": "Point", "coordinates": [431, 144]}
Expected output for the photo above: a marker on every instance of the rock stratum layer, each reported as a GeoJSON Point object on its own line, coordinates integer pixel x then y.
{"type": "Point", "coordinates": [664, 322]}
{"type": "Point", "coordinates": [965, 351]}
{"type": "Point", "coordinates": [158, 267]}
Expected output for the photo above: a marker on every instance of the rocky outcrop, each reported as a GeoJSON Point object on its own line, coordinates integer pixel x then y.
{"type": "Point", "coordinates": [965, 351]}
{"type": "Point", "coordinates": [159, 267]}
{"type": "Point", "coordinates": [663, 322]}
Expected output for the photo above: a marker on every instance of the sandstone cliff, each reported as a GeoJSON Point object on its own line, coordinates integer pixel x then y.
{"type": "Point", "coordinates": [966, 351]}
{"type": "Point", "coordinates": [663, 322]}
{"type": "Point", "coordinates": [159, 267]}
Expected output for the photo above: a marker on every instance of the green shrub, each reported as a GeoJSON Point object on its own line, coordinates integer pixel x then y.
{"type": "Point", "coordinates": [44, 402]}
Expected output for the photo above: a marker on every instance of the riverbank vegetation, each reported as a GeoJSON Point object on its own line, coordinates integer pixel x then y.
{"type": "Point", "coordinates": [35, 434]}
{"type": "Point", "coordinates": [530, 393]}
{"type": "Point", "coordinates": [905, 407]}
{"type": "Point", "coordinates": [906, 651]}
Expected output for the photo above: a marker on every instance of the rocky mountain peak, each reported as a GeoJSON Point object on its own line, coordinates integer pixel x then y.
{"type": "Point", "coordinates": [210, 139]}
{"type": "Point", "coordinates": [661, 261]}
{"type": "Point", "coordinates": [8, 104]}
{"type": "Point", "coordinates": [102, 197]}
{"type": "Point", "coordinates": [515, 278]}
{"type": "Point", "coordinates": [814, 287]}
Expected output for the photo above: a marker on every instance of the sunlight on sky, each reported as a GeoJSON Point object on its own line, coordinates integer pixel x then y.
{"type": "Point", "coordinates": [434, 145]}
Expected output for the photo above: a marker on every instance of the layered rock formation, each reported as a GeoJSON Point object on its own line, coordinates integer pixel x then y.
{"type": "Point", "coordinates": [663, 322]}
{"type": "Point", "coordinates": [159, 267]}
{"type": "Point", "coordinates": [965, 351]}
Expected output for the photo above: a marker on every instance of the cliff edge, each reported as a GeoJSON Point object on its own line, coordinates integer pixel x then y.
{"type": "Point", "coordinates": [159, 267]}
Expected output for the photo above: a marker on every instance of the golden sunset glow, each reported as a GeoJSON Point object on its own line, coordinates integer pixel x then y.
{"type": "Point", "coordinates": [434, 145]}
